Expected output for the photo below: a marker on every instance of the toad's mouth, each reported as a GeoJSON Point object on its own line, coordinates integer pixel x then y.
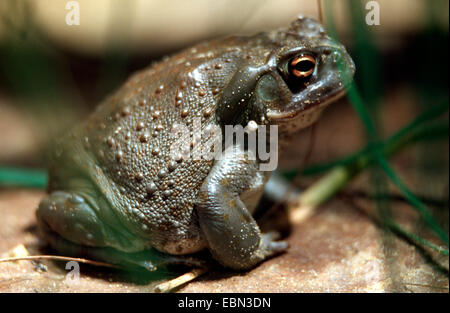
{"type": "Point", "coordinates": [305, 105]}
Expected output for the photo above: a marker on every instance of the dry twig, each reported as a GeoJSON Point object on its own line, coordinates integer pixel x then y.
{"type": "Point", "coordinates": [58, 258]}
{"type": "Point", "coordinates": [180, 280]}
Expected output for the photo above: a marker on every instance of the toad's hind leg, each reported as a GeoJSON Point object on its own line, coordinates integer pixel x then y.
{"type": "Point", "coordinates": [72, 227]}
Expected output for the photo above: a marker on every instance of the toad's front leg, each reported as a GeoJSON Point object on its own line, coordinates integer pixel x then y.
{"type": "Point", "coordinates": [232, 234]}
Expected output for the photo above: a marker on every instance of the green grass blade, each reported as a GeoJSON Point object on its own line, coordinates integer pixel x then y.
{"type": "Point", "coordinates": [394, 226]}
{"type": "Point", "coordinates": [413, 200]}
{"type": "Point", "coordinates": [414, 132]}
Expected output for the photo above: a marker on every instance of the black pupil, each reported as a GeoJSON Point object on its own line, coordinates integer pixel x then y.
{"type": "Point", "coordinates": [299, 72]}
{"type": "Point", "coordinates": [304, 66]}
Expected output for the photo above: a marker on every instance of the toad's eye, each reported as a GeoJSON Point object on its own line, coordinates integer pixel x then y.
{"type": "Point", "coordinates": [302, 66]}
